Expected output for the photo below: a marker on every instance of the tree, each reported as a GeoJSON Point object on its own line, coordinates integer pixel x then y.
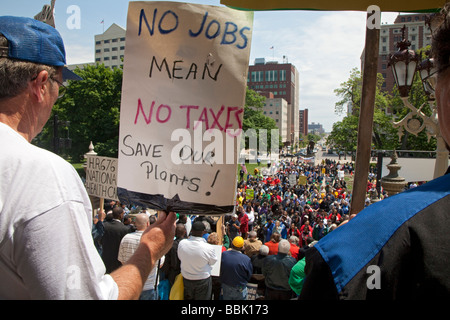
{"type": "Point", "coordinates": [313, 137]}
{"type": "Point", "coordinates": [349, 92]}
{"type": "Point", "coordinates": [344, 134]}
{"type": "Point", "coordinates": [384, 135]}
{"type": "Point", "coordinates": [92, 106]}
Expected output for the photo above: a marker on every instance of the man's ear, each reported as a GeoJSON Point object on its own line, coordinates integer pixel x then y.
{"type": "Point", "coordinates": [38, 85]}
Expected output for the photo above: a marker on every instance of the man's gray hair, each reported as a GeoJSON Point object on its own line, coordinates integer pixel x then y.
{"type": "Point", "coordinates": [15, 75]}
{"type": "Point", "coordinates": [294, 240]}
{"type": "Point", "coordinates": [264, 250]}
{"type": "Point", "coordinates": [252, 234]}
{"type": "Point", "coordinates": [284, 246]}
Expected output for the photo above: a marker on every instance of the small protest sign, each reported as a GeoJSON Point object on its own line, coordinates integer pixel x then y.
{"type": "Point", "coordinates": [215, 268]}
{"type": "Point", "coordinates": [292, 180]}
{"type": "Point", "coordinates": [252, 291]}
{"type": "Point", "coordinates": [101, 177]}
{"type": "Point", "coordinates": [184, 83]}
{"type": "Point", "coordinates": [302, 180]}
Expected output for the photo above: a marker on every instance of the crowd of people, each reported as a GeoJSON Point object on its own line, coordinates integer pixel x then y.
{"type": "Point", "coordinates": [296, 206]}
{"type": "Point", "coordinates": [262, 242]}
{"type": "Point", "coordinates": [132, 256]}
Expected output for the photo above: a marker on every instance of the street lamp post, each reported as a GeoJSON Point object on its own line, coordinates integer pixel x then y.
{"type": "Point", "coordinates": [405, 63]}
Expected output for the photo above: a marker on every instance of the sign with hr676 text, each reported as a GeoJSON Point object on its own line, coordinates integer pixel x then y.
{"type": "Point", "coordinates": [101, 177]}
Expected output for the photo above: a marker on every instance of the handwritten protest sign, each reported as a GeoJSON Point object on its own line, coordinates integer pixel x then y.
{"type": "Point", "coordinates": [101, 177]}
{"type": "Point", "coordinates": [185, 73]}
{"type": "Point", "coordinates": [252, 289]}
{"type": "Point", "coordinates": [302, 180]}
{"type": "Point", "coordinates": [292, 180]}
{"type": "Point", "coordinates": [215, 268]}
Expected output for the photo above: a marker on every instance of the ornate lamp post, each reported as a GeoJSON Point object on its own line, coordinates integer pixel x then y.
{"type": "Point", "coordinates": [404, 65]}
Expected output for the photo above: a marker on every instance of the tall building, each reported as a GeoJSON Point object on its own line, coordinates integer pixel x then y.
{"type": "Point", "coordinates": [303, 122]}
{"type": "Point", "coordinates": [110, 46]}
{"type": "Point", "coordinates": [281, 80]}
{"type": "Point", "coordinates": [277, 109]}
{"type": "Point", "coordinates": [417, 32]}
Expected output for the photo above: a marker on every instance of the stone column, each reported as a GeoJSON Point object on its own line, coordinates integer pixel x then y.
{"type": "Point", "coordinates": [393, 183]}
{"type": "Point", "coordinates": [95, 201]}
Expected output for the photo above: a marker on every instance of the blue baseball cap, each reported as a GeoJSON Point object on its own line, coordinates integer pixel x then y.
{"type": "Point", "coordinates": [34, 41]}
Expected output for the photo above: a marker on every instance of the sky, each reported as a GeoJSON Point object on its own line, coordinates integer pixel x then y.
{"type": "Point", "coordinates": [323, 46]}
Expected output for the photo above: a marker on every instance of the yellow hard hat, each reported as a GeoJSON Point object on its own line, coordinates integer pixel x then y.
{"type": "Point", "coordinates": [238, 242]}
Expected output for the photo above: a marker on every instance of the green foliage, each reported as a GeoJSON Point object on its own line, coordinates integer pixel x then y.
{"type": "Point", "coordinates": [313, 137]}
{"type": "Point", "coordinates": [349, 92]}
{"type": "Point", "coordinates": [253, 115]}
{"type": "Point", "coordinates": [344, 135]}
{"type": "Point", "coordinates": [385, 136]}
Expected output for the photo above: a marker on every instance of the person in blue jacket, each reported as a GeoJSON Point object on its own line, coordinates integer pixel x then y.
{"type": "Point", "coordinates": [268, 229]}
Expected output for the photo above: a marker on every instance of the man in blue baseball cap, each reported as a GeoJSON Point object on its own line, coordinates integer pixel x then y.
{"type": "Point", "coordinates": [34, 41]}
{"type": "Point", "coordinates": [46, 246]}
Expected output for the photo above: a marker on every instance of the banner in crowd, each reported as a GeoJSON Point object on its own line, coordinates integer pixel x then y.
{"type": "Point", "coordinates": [306, 159]}
{"type": "Point", "coordinates": [183, 94]}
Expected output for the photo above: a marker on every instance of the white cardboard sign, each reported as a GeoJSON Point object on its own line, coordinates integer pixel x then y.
{"type": "Point", "coordinates": [183, 94]}
{"type": "Point", "coordinates": [101, 177]}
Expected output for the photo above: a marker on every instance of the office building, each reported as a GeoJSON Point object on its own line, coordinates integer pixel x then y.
{"type": "Point", "coordinates": [303, 122]}
{"type": "Point", "coordinates": [281, 80]}
{"type": "Point", "coordinates": [277, 109]}
{"type": "Point", "coordinates": [110, 46]}
{"type": "Point", "coordinates": [315, 128]}
{"type": "Point", "coordinates": [417, 32]}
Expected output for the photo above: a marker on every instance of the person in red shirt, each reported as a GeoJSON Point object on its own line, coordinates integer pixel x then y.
{"type": "Point", "coordinates": [305, 231]}
{"type": "Point", "coordinates": [293, 240]}
{"type": "Point", "coordinates": [243, 220]}
{"type": "Point", "coordinates": [293, 231]}
{"type": "Point", "coordinates": [272, 244]}
{"type": "Point", "coordinates": [306, 226]}
{"type": "Point", "coordinates": [334, 215]}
